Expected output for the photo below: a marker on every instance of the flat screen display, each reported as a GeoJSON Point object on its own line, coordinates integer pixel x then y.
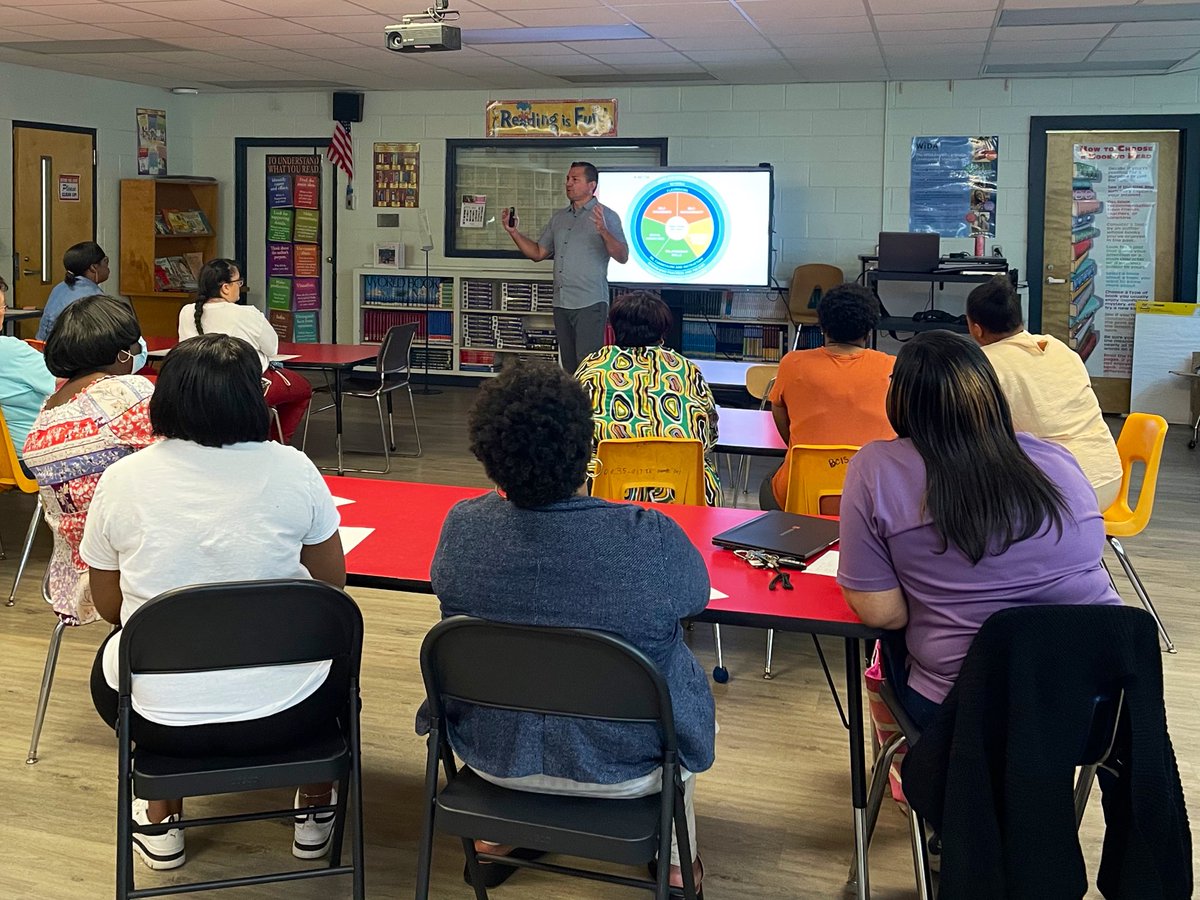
{"type": "Point", "coordinates": [704, 227]}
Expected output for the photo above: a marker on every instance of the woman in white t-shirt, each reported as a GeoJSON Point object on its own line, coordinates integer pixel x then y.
{"type": "Point", "coordinates": [214, 500]}
{"type": "Point", "coordinates": [217, 311]}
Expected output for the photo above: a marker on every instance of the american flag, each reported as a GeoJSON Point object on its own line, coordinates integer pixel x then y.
{"type": "Point", "coordinates": [341, 151]}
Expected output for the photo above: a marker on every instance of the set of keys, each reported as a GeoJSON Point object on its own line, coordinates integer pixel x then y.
{"type": "Point", "coordinates": [776, 563]}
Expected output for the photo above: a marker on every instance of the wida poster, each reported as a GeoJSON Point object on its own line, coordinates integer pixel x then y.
{"type": "Point", "coordinates": [1114, 195]}
{"type": "Point", "coordinates": [294, 246]}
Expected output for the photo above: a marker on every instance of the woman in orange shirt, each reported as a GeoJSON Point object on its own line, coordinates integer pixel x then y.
{"type": "Point", "coordinates": [833, 394]}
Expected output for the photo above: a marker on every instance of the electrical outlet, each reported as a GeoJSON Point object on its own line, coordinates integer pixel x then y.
{"type": "Point", "coordinates": [997, 250]}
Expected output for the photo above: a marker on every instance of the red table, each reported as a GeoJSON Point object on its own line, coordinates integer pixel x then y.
{"type": "Point", "coordinates": [751, 432]}
{"type": "Point", "coordinates": [336, 358]}
{"type": "Point", "coordinates": [407, 519]}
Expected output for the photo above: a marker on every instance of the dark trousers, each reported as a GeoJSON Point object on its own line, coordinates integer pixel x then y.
{"type": "Point", "coordinates": [267, 735]}
{"type": "Point", "coordinates": [580, 333]}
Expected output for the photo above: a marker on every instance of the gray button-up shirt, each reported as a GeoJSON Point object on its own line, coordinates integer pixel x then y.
{"type": "Point", "coordinates": [580, 259]}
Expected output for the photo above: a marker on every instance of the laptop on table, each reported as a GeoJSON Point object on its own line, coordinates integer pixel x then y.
{"type": "Point", "coordinates": [782, 534]}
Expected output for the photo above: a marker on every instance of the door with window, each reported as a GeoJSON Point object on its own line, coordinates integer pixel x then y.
{"type": "Point", "coordinates": [54, 206]}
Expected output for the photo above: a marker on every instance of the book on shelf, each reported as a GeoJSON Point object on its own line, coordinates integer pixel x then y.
{"type": "Point", "coordinates": [172, 273]}
{"type": "Point", "coordinates": [186, 221]}
{"type": "Point", "coordinates": [195, 262]}
{"type": "Point", "coordinates": [160, 224]}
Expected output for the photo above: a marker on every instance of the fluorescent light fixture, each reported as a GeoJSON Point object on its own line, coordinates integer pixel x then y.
{"type": "Point", "coordinates": [1097, 15]}
{"type": "Point", "coordinates": [121, 45]}
{"type": "Point", "coordinates": [565, 34]}
{"type": "Point", "coordinates": [184, 90]}
{"type": "Point", "coordinates": [1070, 68]}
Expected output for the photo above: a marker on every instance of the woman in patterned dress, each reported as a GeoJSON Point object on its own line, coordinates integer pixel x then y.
{"type": "Point", "coordinates": [99, 415]}
{"type": "Point", "coordinates": [639, 388]}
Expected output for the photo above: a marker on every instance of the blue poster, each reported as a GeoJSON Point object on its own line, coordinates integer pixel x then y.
{"type": "Point", "coordinates": [279, 190]}
{"type": "Point", "coordinates": [952, 186]}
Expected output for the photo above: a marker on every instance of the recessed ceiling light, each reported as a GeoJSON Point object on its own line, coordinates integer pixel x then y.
{"type": "Point", "coordinates": [542, 35]}
{"type": "Point", "coordinates": [184, 90]}
{"type": "Point", "coordinates": [1096, 15]}
{"type": "Point", "coordinates": [1066, 68]}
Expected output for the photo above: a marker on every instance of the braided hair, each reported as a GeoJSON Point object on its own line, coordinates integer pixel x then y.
{"type": "Point", "coordinates": [215, 274]}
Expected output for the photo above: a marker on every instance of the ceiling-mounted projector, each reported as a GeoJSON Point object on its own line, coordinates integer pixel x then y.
{"type": "Point", "coordinates": [425, 32]}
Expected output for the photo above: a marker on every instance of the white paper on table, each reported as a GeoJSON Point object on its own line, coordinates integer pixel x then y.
{"type": "Point", "coordinates": [281, 357]}
{"type": "Point", "coordinates": [352, 536]}
{"type": "Point", "coordinates": [827, 564]}
{"type": "Point", "coordinates": [341, 501]}
{"type": "Point", "coordinates": [714, 594]}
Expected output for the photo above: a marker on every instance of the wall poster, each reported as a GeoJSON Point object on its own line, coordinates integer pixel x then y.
{"type": "Point", "coordinates": [397, 175]}
{"type": "Point", "coordinates": [152, 141]}
{"type": "Point", "coordinates": [551, 118]}
{"type": "Point", "coordinates": [952, 186]}
{"type": "Point", "coordinates": [294, 247]}
{"type": "Point", "coordinates": [1114, 192]}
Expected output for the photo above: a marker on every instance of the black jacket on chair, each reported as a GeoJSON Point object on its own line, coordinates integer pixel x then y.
{"type": "Point", "coordinates": [993, 772]}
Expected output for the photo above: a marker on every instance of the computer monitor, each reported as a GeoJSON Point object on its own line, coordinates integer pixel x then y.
{"type": "Point", "coordinates": [909, 251]}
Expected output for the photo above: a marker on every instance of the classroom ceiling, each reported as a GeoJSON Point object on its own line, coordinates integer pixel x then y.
{"type": "Point", "coordinates": [273, 45]}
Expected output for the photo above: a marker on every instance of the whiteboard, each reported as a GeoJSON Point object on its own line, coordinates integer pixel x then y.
{"type": "Point", "coordinates": [1164, 337]}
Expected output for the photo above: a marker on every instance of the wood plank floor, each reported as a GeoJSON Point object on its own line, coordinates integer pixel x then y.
{"type": "Point", "coordinates": [773, 813]}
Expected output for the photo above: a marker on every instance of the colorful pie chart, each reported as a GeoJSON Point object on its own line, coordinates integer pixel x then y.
{"type": "Point", "coordinates": [678, 227]}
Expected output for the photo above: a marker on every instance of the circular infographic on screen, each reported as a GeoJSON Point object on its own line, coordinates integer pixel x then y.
{"type": "Point", "coordinates": [679, 227]}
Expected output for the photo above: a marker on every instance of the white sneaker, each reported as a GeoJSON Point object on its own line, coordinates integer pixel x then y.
{"type": "Point", "coordinates": [312, 832]}
{"type": "Point", "coordinates": [158, 851]}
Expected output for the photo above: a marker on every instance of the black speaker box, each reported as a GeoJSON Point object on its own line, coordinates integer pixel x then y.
{"type": "Point", "coordinates": [347, 107]}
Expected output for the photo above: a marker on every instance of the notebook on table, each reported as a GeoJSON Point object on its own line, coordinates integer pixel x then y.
{"type": "Point", "coordinates": [781, 533]}
{"type": "Point", "coordinates": [909, 251]}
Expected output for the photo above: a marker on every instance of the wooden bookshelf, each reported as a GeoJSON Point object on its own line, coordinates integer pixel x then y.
{"type": "Point", "coordinates": [141, 244]}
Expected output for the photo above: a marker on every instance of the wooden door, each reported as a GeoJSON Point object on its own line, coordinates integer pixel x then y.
{"type": "Point", "coordinates": [54, 205]}
{"type": "Point", "coordinates": [1108, 240]}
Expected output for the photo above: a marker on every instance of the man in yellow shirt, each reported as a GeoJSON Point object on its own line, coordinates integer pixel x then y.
{"type": "Point", "coordinates": [1047, 386]}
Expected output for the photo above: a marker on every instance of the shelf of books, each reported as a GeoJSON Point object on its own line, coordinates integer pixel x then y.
{"type": "Point", "coordinates": [480, 320]}
{"type": "Point", "coordinates": [168, 231]}
{"type": "Point", "coordinates": [747, 325]}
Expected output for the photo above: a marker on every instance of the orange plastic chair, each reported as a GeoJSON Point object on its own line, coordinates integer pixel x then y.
{"type": "Point", "coordinates": [12, 477]}
{"type": "Point", "coordinates": [624, 465]}
{"type": "Point", "coordinates": [37, 345]}
{"type": "Point", "coordinates": [808, 283]}
{"type": "Point", "coordinates": [816, 473]}
{"type": "Point", "coordinates": [1141, 440]}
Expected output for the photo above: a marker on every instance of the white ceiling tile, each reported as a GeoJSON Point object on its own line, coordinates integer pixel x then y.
{"type": "Point", "coordinates": [931, 38]}
{"type": "Point", "coordinates": [502, 5]}
{"type": "Point", "coordinates": [603, 48]}
{"type": "Point", "coordinates": [934, 21]}
{"type": "Point", "coordinates": [896, 7]}
{"type": "Point", "coordinates": [345, 24]}
{"type": "Point", "coordinates": [711, 12]}
{"type": "Point", "coordinates": [165, 29]}
{"type": "Point", "coordinates": [17, 18]}
{"type": "Point", "coordinates": [744, 57]}
{"type": "Point", "coordinates": [838, 25]}
{"type": "Point", "coordinates": [546, 18]}
{"type": "Point", "coordinates": [731, 42]}
{"type": "Point", "coordinates": [74, 31]}
{"type": "Point", "coordinates": [838, 41]}
{"type": "Point", "coordinates": [480, 18]}
{"type": "Point", "coordinates": [293, 8]}
{"type": "Point", "coordinates": [311, 41]}
{"type": "Point", "coordinates": [94, 12]}
{"type": "Point", "coordinates": [802, 9]}
{"type": "Point", "coordinates": [1014, 50]}
{"type": "Point", "coordinates": [1150, 43]}
{"type": "Point", "coordinates": [257, 27]}
{"type": "Point", "coordinates": [197, 10]}
{"type": "Point", "coordinates": [520, 51]}
{"type": "Point", "coordinates": [1143, 29]}
{"type": "Point", "coordinates": [226, 45]}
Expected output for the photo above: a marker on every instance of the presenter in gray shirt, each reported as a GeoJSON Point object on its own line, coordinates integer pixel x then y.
{"type": "Point", "coordinates": [581, 238]}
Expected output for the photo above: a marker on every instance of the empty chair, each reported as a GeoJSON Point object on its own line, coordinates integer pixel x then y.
{"type": "Point", "coordinates": [392, 372]}
{"type": "Point", "coordinates": [187, 632]}
{"type": "Point", "coordinates": [759, 381]}
{"type": "Point", "coordinates": [660, 469]}
{"type": "Point", "coordinates": [1141, 441]}
{"type": "Point", "coordinates": [809, 282]}
{"type": "Point", "coordinates": [13, 477]}
{"type": "Point", "coordinates": [551, 672]}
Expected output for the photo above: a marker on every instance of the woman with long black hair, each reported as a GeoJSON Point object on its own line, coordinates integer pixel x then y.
{"type": "Point", "coordinates": [959, 517]}
{"type": "Point", "coordinates": [217, 311]}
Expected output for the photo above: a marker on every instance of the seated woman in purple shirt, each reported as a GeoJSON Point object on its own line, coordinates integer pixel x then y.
{"type": "Point", "coordinates": [960, 517]}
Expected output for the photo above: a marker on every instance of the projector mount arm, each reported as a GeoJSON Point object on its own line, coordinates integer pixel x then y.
{"type": "Point", "coordinates": [439, 12]}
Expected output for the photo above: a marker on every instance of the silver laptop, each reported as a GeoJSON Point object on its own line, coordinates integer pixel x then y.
{"type": "Point", "coordinates": [909, 251]}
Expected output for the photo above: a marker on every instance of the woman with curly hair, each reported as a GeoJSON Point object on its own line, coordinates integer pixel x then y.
{"type": "Point", "coordinates": [640, 388]}
{"type": "Point", "coordinates": [539, 551]}
{"type": "Point", "coordinates": [833, 394]}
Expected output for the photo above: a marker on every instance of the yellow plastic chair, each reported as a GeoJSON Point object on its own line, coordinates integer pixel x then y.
{"type": "Point", "coordinates": [624, 465]}
{"type": "Point", "coordinates": [808, 283]}
{"type": "Point", "coordinates": [1141, 440]}
{"type": "Point", "coordinates": [12, 477]}
{"type": "Point", "coordinates": [816, 473]}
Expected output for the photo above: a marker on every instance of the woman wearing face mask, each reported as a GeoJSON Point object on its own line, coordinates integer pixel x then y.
{"type": "Point", "coordinates": [99, 415]}
{"type": "Point", "coordinates": [87, 268]}
{"type": "Point", "coordinates": [217, 311]}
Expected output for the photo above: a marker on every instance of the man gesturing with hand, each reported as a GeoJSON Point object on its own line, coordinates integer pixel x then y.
{"type": "Point", "coordinates": [581, 238]}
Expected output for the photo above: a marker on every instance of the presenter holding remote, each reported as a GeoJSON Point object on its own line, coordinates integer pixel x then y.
{"type": "Point", "coordinates": [581, 238]}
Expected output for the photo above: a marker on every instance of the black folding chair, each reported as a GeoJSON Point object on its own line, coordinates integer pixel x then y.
{"type": "Point", "coordinates": [392, 372]}
{"type": "Point", "coordinates": [557, 672]}
{"type": "Point", "coordinates": [248, 624]}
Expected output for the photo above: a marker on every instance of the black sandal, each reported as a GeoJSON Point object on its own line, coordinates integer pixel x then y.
{"type": "Point", "coordinates": [495, 874]}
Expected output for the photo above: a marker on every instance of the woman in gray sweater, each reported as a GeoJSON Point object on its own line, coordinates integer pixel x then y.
{"type": "Point", "coordinates": [540, 551]}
